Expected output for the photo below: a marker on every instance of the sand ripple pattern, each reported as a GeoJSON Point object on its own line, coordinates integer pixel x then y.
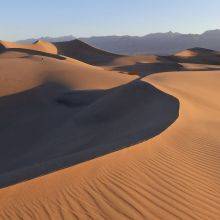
{"type": "Point", "coordinates": [175, 175]}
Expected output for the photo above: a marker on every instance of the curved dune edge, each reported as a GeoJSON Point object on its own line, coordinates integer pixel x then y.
{"type": "Point", "coordinates": [42, 46]}
{"type": "Point", "coordinates": [56, 127]}
{"type": "Point", "coordinates": [174, 175]}
{"type": "Point", "coordinates": [84, 52]}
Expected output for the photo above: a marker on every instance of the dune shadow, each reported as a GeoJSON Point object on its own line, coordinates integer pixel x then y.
{"type": "Point", "coordinates": [81, 51]}
{"type": "Point", "coordinates": [50, 127]}
{"type": "Point", "coordinates": [144, 69]}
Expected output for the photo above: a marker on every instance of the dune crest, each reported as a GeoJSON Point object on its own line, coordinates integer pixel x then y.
{"type": "Point", "coordinates": [82, 51]}
{"type": "Point", "coordinates": [186, 53]}
{"type": "Point", "coordinates": [22, 71]}
{"type": "Point", "coordinates": [42, 46]}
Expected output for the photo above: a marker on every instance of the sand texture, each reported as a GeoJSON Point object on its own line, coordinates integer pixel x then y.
{"type": "Point", "coordinates": [133, 148]}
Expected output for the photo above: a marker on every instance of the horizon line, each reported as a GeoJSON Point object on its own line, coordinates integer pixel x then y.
{"type": "Point", "coordinates": [115, 35]}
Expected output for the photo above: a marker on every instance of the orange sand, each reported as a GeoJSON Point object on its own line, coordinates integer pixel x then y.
{"type": "Point", "coordinates": [186, 53]}
{"type": "Point", "coordinates": [21, 71]}
{"type": "Point", "coordinates": [172, 176]}
{"type": "Point", "coordinates": [38, 46]}
{"type": "Point", "coordinates": [175, 175]}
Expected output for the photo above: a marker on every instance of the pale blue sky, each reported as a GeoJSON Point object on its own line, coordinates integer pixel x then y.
{"type": "Point", "coordinates": [20, 19]}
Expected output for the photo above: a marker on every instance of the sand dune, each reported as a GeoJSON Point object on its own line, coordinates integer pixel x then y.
{"type": "Point", "coordinates": [81, 51]}
{"type": "Point", "coordinates": [186, 53]}
{"type": "Point", "coordinates": [196, 52]}
{"type": "Point", "coordinates": [51, 116]}
{"type": "Point", "coordinates": [197, 55]}
{"type": "Point", "coordinates": [23, 71]}
{"type": "Point", "coordinates": [192, 59]}
{"type": "Point", "coordinates": [42, 106]}
{"type": "Point", "coordinates": [175, 175]}
{"type": "Point", "coordinates": [199, 66]}
{"type": "Point", "coordinates": [137, 160]}
{"type": "Point", "coordinates": [42, 46]}
{"type": "Point", "coordinates": [141, 65]}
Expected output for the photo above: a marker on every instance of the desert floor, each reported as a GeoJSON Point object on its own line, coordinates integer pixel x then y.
{"type": "Point", "coordinates": [84, 140]}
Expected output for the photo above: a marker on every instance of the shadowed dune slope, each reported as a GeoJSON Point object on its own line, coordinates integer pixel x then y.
{"type": "Point", "coordinates": [174, 175]}
{"type": "Point", "coordinates": [46, 114]}
{"type": "Point", "coordinates": [81, 51]}
{"type": "Point", "coordinates": [144, 69]}
{"type": "Point", "coordinates": [56, 128]}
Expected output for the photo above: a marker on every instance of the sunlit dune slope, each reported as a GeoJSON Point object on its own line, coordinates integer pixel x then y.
{"type": "Point", "coordinates": [23, 71]}
{"type": "Point", "coordinates": [175, 175]}
{"type": "Point", "coordinates": [197, 51]}
{"type": "Point", "coordinates": [197, 55]}
{"type": "Point", "coordinates": [42, 46]}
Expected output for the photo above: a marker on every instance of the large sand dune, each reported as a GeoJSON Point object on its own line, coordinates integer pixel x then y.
{"type": "Point", "coordinates": [52, 108]}
{"type": "Point", "coordinates": [49, 116]}
{"type": "Point", "coordinates": [175, 175]}
{"type": "Point", "coordinates": [21, 71]}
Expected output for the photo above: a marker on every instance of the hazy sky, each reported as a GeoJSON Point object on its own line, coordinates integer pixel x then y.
{"type": "Point", "coordinates": [20, 19]}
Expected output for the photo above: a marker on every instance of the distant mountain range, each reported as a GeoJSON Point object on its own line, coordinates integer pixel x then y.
{"type": "Point", "coordinates": [49, 39]}
{"type": "Point", "coordinates": [156, 43]}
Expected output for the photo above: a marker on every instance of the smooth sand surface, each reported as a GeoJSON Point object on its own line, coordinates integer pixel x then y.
{"type": "Point", "coordinates": [21, 71]}
{"type": "Point", "coordinates": [42, 46]}
{"type": "Point", "coordinates": [174, 175]}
